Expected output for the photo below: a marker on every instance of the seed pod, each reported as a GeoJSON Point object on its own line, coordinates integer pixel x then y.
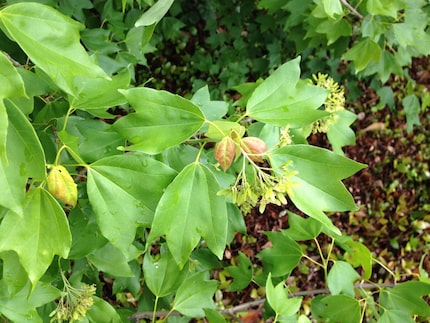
{"type": "Point", "coordinates": [224, 152]}
{"type": "Point", "coordinates": [254, 147]}
{"type": "Point", "coordinates": [62, 186]}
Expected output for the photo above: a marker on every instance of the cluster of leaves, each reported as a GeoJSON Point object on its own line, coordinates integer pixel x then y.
{"type": "Point", "coordinates": [225, 43]}
{"type": "Point", "coordinates": [138, 199]}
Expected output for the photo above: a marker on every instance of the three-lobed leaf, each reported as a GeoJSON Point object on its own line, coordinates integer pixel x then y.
{"type": "Point", "coordinates": [162, 120]}
{"type": "Point", "coordinates": [163, 275]}
{"type": "Point", "coordinates": [282, 99]}
{"type": "Point", "coordinates": [284, 254]}
{"type": "Point", "coordinates": [278, 299]}
{"type": "Point", "coordinates": [137, 181]}
{"type": "Point", "coordinates": [340, 279]}
{"type": "Point", "coordinates": [53, 46]}
{"type": "Point", "coordinates": [189, 210]}
{"type": "Point", "coordinates": [317, 186]}
{"type": "Point", "coordinates": [195, 294]}
{"type": "Point", "coordinates": [39, 234]}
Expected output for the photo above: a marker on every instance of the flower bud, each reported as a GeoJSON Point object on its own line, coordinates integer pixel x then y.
{"type": "Point", "coordinates": [224, 152]}
{"type": "Point", "coordinates": [254, 147]}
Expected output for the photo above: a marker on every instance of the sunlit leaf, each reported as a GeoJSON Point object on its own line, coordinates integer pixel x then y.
{"type": "Point", "coordinates": [138, 182]}
{"type": "Point", "coordinates": [99, 93]}
{"type": "Point", "coordinates": [363, 53]}
{"type": "Point", "coordinates": [340, 134]}
{"type": "Point", "coordinates": [318, 185]}
{"type": "Point", "coordinates": [38, 235]}
{"type": "Point", "coordinates": [213, 110]}
{"type": "Point", "coordinates": [23, 306]}
{"type": "Point", "coordinates": [154, 14]}
{"type": "Point", "coordinates": [283, 100]}
{"type": "Point", "coordinates": [189, 210]}
{"type": "Point", "coordinates": [162, 120]}
{"type": "Point", "coordinates": [194, 294]}
{"type": "Point", "coordinates": [56, 39]}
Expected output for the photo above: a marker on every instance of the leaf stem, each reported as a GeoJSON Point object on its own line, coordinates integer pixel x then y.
{"type": "Point", "coordinates": [352, 9]}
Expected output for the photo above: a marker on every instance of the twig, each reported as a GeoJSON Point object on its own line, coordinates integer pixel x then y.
{"type": "Point", "coordinates": [232, 311]}
{"type": "Point", "coordinates": [352, 9]}
{"type": "Point", "coordinates": [14, 62]}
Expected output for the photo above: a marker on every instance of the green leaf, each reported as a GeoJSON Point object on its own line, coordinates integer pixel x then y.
{"type": "Point", "coordinates": [22, 307]}
{"type": "Point", "coordinates": [213, 316]}
{"type": "Point", "coordinates": [384, 8]}
{"type": "Point", "coordinates": [99, 93]}
{"type": "Point", "coordinates": [282, 257]}
{"type": "Point", "coordinates": [56, 39]}
{"type": "Point", "coordinates": [93, 139]}
{"type": "Point", "coordinates": [301, 229]}
{"type": "Point", "coordinates": [282, 100]}
{"type": "Point", "coordinates": [213, 110]}
{"type": "Point", "coordinates": [278, 300]}
{"type": "Point", "coordinates": [340, 134]}
{"type": "Point", "coordinates": [86, 235]}
{"type": "Point", "coordinates": [14, 275]}
{"type": "Point", "coordinates": [162, 275]}
{"type": "Point", "coordinates": [11, 83]}
{"type": "Point", "coordinates": [190, 209]}
{"type": "Point", "coordinates": [102, 311]}
{"type": "Point", "coordinates": [363, 53]}
{"type": "Point", "coordinates": [395, 316]}
{"type": "Point", "coordinates": [332, 8]}
{"type": "Point", "coordinates": [38, 235]}
{"type": "Point", "coordinates": [3, 131]}
{"type": "Point", "coordinates": [338, 308]}
{"type": "Point", "coordinates": [138, 182]}
{"type": "Point", "coordinates": [334, 30]}
{"type": "Point", "coordinates": [194, 294]}
{"type": "Point", "coordinates": [341, 277]}
{"type": "Point", "coordinates": [162, 120]}
{"type": "Point", "coordinates": [411, 104]}
{"type": "Point", "coordinates": [111, 260]}
{"type": "Point", "coordinates": [406, 297]}
{"type": "Point", "coordinates": [242, 274]}
{"type": "Point", "coordinates": [154, 14]}
{"type": "Point", "coordinates": [22, 134]}
{"type": "Point", "coordinates": [357, 254]}
{"type": "Point", "coordinates": [318, 185]}
{"type": "Point", "coordinates": [218, 129]}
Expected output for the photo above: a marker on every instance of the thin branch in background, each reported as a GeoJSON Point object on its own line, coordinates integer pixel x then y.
{"type": "Point", "coordinates": [352, 9]}
{"type": "Point", "coordinates": [245, 306]}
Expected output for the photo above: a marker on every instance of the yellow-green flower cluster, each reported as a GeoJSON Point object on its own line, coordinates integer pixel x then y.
{"type": "Point", "coordinates": [264, 188]}
{"type": "Point", "coordinates": [74, 303]}
{"type": "Point", "coordinates": [334, 102]}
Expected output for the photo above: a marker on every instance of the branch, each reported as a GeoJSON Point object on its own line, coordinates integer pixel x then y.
{"type": "Point", "coordinates": [239, 308]}
{"type": "Point", "coordinates": [352, 9]}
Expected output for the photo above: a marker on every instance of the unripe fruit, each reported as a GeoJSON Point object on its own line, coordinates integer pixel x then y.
{"type": "Point", "coordinates": [254, 147]}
